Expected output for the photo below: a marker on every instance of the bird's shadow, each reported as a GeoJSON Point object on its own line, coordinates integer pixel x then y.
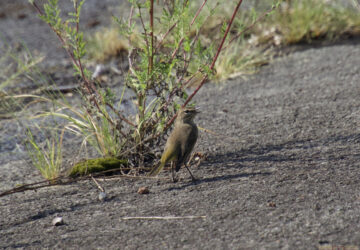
{"type": "Point", "coordinates": [217, 178]}
{"type": "Point", "coordinates": [269, 153]}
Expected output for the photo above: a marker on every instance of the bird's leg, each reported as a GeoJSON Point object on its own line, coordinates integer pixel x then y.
{"type": "Point", "coordinates": [173, 172]}
{"type": "Point", "coordinates": [192, 177]}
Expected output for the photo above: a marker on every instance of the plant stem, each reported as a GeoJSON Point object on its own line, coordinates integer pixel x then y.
{"type": "Point", "coordinates": [217, 53]}
{"type": "Point", "coordinates": [198, 12]}
{"type": "Point", "coordinates": [151, 57]}
{"type": "Point", "coordinates": [212, 64]}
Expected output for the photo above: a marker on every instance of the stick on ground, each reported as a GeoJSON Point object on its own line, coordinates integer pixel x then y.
{"type": "Point", "coordinates": [163, 217]}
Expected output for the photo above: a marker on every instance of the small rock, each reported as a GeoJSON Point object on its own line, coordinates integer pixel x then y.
{"type": "Point", "coordinates": [143, 190]}
{"type": "Point", "coordinates": [272, 204]}
{"type": "Point", "coordinates": [102, 196]}
{"type": "Point", "coordinates": [57, 221]}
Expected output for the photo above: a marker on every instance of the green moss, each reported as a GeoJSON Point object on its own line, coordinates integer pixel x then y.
{"type": "Point", "coordinates": [96, 165]}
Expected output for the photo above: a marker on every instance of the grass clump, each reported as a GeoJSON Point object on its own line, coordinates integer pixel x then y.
{"type": "Point", "coordinates": [14, 66]}
{"type": "Point", "coordinates": [47, 158]}
{"type": "Point", "coordinates": [240, 59]}
{"type": "Point", "coordinates": [310, 20]}
{"type": "Point", "coordinates": [106, 44]}
{"type": "Point", "coordinates": [303, 21]}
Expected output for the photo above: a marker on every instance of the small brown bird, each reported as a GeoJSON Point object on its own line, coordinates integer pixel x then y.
{"type": "Point", "coordinates": [180, 142]}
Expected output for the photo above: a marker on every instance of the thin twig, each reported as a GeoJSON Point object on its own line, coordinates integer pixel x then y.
{"type": "Point", "coordinates": [37, 185]}
{"type": "Point", "coordinates": [58, 35]}
{"type": "Point", "coordinates": [62, 181]}
{"type": "Point", "coordinates": [130, 16]}
{"type": "Point", "coordinates": [80, 66]}
{"type": "Point", "coordinates": [151, 57]}
{"type": "Point", "coordinates": [129, 38]}
{"type": "Point", "coordinates": [97, 184]}
{"type": "Point", "coordinates": [163, 218]}
{"type": "Point", "coordinates": [145, 30]}
{"type": "Point", "coordinates": [120, 115]}
{"type": "Point", "coordinates": [134, 177]}
{"type": "Point", "coordinates": [140, 96]}
{"type": "Point", "coordinates": [198, 12]}
{"type": "Point", "coordinates": [153, 137]}
{"type": "Point", "coordinates": [72, 56]}
{"type": "Point", "coordinates": [164, 36]}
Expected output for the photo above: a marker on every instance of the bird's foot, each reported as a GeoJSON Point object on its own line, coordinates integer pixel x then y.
{"type": "Point", "coordinates": [175, 179]}
{"type": "Point", "coordinates": [194, 179]}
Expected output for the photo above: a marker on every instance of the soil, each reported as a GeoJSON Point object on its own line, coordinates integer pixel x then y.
{"type": "Point", "coordinates": [282, 170]}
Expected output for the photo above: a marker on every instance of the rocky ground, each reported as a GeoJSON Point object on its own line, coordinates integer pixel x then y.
{"type": "Point", "coordinates": [282, 172]}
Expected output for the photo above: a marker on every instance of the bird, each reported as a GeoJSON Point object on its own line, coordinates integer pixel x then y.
{"type": "Point", "coordinates": [180, 143]}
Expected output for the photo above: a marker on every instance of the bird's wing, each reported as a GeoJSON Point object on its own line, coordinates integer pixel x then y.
{"type": "Point", "coordinates": [171, 152]}
{"type": "Point", "coordinates": [187, 146]}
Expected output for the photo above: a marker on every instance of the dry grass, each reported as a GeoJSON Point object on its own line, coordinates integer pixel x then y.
{"type": "Point", "coordinates": [302, 21]}
{"type": "Point", "coordinates": [106, 44]}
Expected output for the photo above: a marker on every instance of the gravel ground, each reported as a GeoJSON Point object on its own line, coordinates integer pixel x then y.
{"type": "Point", "coordinates": [281, 173]}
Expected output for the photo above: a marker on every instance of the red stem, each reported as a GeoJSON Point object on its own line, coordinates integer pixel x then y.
{"type": "Point", "coordinates": [217, 53]}
{"type": "Point", "coordinates": [212, 64]}
{"type": "Point", "coordinates": [165, 35]}
{"type": "Point", "coordinates": [198, 12]}
{"type": "Point", "coordinates": [151, 59]}
{"type": "Point", "coordinates": [75, 61]}
{"type": "Point", "coordinates": [88, 84]}
{"type": "Point", "coordinates": [58, 35]}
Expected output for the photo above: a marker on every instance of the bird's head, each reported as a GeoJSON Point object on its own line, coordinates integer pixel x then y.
{"type": "Point", "coordinates": [187, 114]}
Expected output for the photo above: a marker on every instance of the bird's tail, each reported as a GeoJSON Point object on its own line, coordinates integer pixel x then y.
{"type": "Point", "coordinates": [157, 169]}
